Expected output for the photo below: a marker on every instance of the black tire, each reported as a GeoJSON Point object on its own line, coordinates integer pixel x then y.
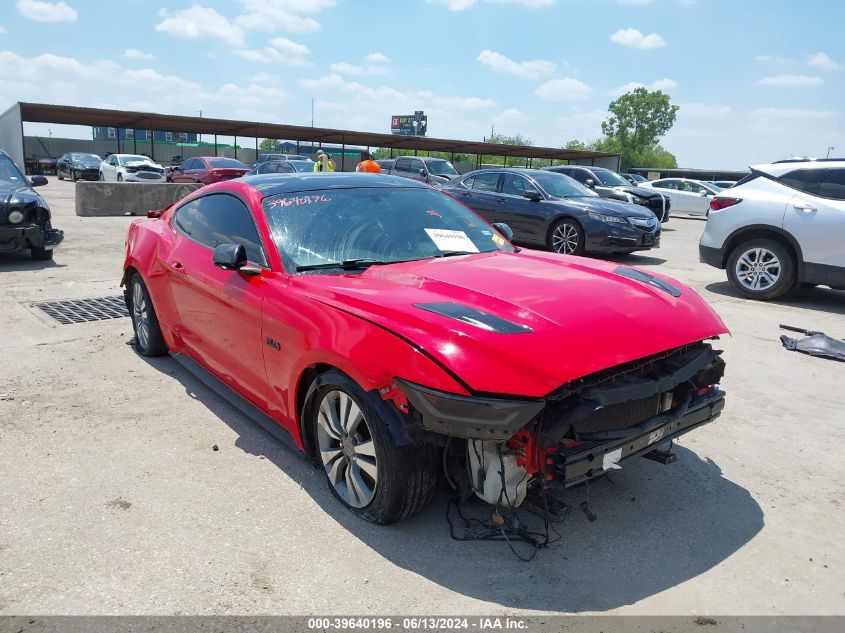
{"type": "Point", "coordinates": [101, 178]}
{"type": "Point", "coordinates": [59, 174]}
{"type": "Point", "coordinates": [153, 343]}
{"type": "Point", "coordinates": [763, 263]}
{"type": "Point", "coordinates": [120, 178]}
{"type": "Point", "coordinates": [562, 234]}
{"type": "Point", "coordinates": [73, 176]}
{"type": "Point", "coordinates": [406, 474]}
{"type": "Point", "coordinates": [42, 254]}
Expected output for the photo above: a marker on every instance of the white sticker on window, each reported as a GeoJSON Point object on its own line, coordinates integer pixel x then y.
{"type": "Point", "coordinates": [447, 240]}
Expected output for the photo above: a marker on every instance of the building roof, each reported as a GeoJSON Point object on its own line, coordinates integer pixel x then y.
{"type": "Point", "coordinates": [96, 117]}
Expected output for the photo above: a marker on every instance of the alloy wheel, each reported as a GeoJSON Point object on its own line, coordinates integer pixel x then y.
{"type": "Point", "coordinates": [758, 269]}
{"type": "Point", "coordinates": [140, 316]}
{"type": "Point", "coordinates": [565, 238]}
{"type": "Point", "coordinates": [347, 451]}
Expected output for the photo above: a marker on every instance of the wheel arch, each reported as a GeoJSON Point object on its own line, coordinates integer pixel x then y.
{"type": "Point", "coordinates": [563, 215]}
{"type": "Point", "coordinates": [755, 231]}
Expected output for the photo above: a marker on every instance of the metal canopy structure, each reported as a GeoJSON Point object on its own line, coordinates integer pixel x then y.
{"type": "Point", "coordinates": [96, 117]}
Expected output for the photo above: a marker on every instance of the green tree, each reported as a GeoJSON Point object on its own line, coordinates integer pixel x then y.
{"type": "Point", "coordinates": [637, 122]}
{"type": "Point", "coordinates": [267, 145]}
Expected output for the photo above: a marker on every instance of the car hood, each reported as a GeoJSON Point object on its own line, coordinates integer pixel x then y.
{"type": "Point", "coordinates": [642, 192]}
{"type": "Point", "coordinates": [606, 206]}
{"type": "Point", "coordinates": [139, 163]}
{"type": "Point", "coordinates": [582, 316]}
{"type": "Point", "coordinates": [19, 197]}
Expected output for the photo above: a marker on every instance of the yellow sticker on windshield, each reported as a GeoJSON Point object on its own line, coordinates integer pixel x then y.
{"type": "Point", "coordinates": [498, 239]}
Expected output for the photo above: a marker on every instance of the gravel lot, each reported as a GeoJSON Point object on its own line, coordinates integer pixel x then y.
{"type": "Point", "coordinates": [112, 500]}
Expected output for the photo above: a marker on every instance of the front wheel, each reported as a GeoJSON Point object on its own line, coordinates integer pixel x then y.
{"type": "Point", "coordinates": [120, 178]}
{"type": "Point", "coordinates": [567, 237]}
{"type": "Point", "coordinates": [59, 174]}
{"type": "Point", "coordinates": [148, 338]}
{"type": "Point", "coordinates": [761, 269]}
{"type": "Point", "coordinates": [101, 177]}
{"type": "Point", "coordinates": [74, 176]}
{"type": "Point", "coordinates": [376, 478]}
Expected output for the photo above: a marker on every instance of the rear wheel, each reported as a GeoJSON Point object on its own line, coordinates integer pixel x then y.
{"type": "Point", "coordinates": [148, 338]}
{"type": "Point", "coordinates": [761, 269]}
{"type": "Point", "coordinates": [567, 237]}
{"type": "Point", "coordinates": [101, 177]}
{"type": "Point", "coordinates": [366, 469]}
{"type": "Point", "coordinates": [120, 178]}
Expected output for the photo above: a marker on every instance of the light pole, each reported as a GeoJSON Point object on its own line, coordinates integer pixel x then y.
{"type": "Point", "coordinates": [828, 150]}
{"type": "Point", "coordinates": [199, 136]}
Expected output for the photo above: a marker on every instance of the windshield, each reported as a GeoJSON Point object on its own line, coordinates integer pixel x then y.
{"type": "Point", "coordinates": [609, 178]}
{"type": "Point", "coordinates": [9, 174]}
{"type": "Point", "coordinates": [384, 224]}
{"type": "Point", "coordinates": [223, 163]}
{"type": "Point", "coordinates": [442, 168]}
{"type": "Point", "coordinates": [131, 158]}
{"type": "Point", "coordinates": [302, 165]}
{"type": "Point", "coordinates": [86, 158]}
{"type": "Point", "coordinates": [561, 186]}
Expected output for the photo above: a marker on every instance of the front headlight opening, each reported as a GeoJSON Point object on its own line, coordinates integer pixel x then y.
{"type": "Point", "coordinates": [16, 216]}
{"type": "Point", "coordinates": [600, 217]}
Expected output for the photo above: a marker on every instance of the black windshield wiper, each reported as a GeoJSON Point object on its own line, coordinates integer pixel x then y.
{"type": "Point", "coordinates": [346, 264]}
{"type": "Point", "coordinates": [453, 253]}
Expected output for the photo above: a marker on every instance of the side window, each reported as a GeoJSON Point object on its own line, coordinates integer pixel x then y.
{"type": "Point", "coordinates": [403, 164]}
{"type": "Point", "coordinates": [660, 184]}
{"type": "Point", "coordinates": [833, 185]}
{"type": "Point", "coordinates": [581, 175]}
{"type": "Point", "coordinates": [806, 180]}
{"type": "Point", "coordinates": [468, 182]}
{"type": "Point", "coordinates": [113, 161]}
{"type": "Point", "coordinates": [220, 219]}
{"type": "Point", "coordinates": [514, 184]}
{"type": "Point", "coordinates": [191, 163]}
{"type": "Point", "coordinates": [416, 165]}
{"type": "Point", "coordinates": [486, 182]}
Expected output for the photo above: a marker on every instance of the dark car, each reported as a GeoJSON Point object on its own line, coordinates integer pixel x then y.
{"type": "Point", "coordinates": [24, 215]}
{"type": "Point", "coordinates": [609, 184]}
{"type": "Point", "coordinates": [386, 164]}
{"type": "Point", "coordinates": [78, 166]}
{"type": "Point", "coordinates": [282, 167]}
{"type": "Point", "coordinates": [435, 171]}
{"type": "Point", "coordinates": [263, 158]}
{"type": "Point", "coordinates": [634, 179]}
{"type": "Point", "coordinates": [551, 210]}
{"type": "Point", "coordinates": [207, 169]}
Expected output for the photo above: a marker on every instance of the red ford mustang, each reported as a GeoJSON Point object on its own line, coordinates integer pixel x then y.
{"type": "Point", "coordinates": [392, 334]}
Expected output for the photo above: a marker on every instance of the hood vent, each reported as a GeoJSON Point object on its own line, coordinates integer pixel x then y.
{"type": "Point", "coordinates": [646, 278]}
{"type": "Point", "coordinates": [474, 317]}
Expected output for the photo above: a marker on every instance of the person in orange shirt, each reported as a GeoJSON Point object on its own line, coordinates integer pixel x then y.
{"type": "Point", "coordinates": [368, 164]}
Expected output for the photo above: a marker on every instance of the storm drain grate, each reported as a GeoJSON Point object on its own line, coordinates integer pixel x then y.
{"type": "Point", "coordinates": [82, 310]}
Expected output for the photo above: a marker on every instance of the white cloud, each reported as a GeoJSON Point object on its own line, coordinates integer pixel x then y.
{"type": "Point", "coordinates": [134, 53]}
{"type": "Point", "coordinates": [285, 15]}
{"type": "Point", "coordinates": [664, 85]}
{"type": "Point", "coordinates": [345, 68]}
{"type": "Point", "coordinates": [530, 69]}
{"type": "Point", "coordinates": [822, 61]}
{"type": "Point", "coordinates": [2, 30]}
{"type": "Point", "coordinates": [461, 5]}
{"type": "Point", "coordinates": [511, 114]}
{"type": "Point", "coordinates": [773, 59]}
{"type": "Point", "coordinates": [264, 78]}
{"type": "Point", "coordinates": [791, 80]}
{"type": "Point", "coordinates": [377, 58]}
{"type": "Point", "coordinates": [704, 109]}
{"type": "Point", "coordinates": [43, 11]}
{"type": "Point", "coordinates": [566, 89]}
{"type": "Point", "coordinates": [280, 50]}
{"type": "Point", "coordinates": [635, 39]}
{"type": "Point", "coordinates": [639, 2]}
{"type": "Point", "coordinates": [197, 22]}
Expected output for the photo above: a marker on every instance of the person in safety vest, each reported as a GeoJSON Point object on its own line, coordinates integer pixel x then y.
{"type": "Point", "coordinates": [367, 164]}
{"type": "Point", "coordinates": [324, 162]}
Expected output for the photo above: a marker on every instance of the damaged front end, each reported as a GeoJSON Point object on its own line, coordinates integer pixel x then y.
{"type": "Point", "coordinates": [580, 431]}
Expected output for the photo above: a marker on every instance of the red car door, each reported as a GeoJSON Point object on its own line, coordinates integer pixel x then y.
{"type": "Point", "coordinates": [220, 311]}
{"type": "Point", "coordinates": [189, 171]}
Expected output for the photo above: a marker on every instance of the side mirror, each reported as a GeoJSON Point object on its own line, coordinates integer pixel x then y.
{"type": "Point", "coordinates": [233, 257]}
{"type": "Point", "coordinates": [532, 194]}
{"type": "Point", "coordinates": [422, 172]}
{"type": "Point", "coordinates": [38, 181]}
{"type": "Point", "coordinates": [590, 183]}
{"type": "Point", "coordinates": [702, 192]}
{"type": "Point", "coordinates": [504, 229]}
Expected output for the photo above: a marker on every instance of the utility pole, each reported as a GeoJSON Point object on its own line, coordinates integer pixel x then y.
{"type": "Point", "coordinates": [199, 136]}
{"type": "Point", "coordinates": [312, 111]}
{"type": "Point", "coordinates": [828, 150]}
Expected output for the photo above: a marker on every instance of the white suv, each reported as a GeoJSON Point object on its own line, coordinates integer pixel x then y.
{"type": "Point", "coordinates": [780, 227]}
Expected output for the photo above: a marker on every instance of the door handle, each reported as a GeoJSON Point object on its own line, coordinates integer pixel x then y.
{"type": "Point", "coordinates": [805, 207]}
{"type": "Point", "coordinates": [501, 200]}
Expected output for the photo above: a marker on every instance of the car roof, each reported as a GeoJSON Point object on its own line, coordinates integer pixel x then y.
{"type": "Point", "coordinates": [784, 167]}
{"type": "Point", "coordinates": [275, 184]}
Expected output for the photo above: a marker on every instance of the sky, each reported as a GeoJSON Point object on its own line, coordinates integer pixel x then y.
{"type": "Point", "coordinates": [756, 80]}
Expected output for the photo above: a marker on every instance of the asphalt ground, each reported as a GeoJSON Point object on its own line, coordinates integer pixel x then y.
{"type": "Point", "coordinates": [113, 501]}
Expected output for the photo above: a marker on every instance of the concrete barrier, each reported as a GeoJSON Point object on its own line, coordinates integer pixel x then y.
{"type": "Point", "coordinates": [98, 199]}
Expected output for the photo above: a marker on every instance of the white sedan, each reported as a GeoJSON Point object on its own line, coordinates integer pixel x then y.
{"type": "Point", "coordinates": [688, 196]}
{"type": "Point", "coordinates": [131, 168]}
